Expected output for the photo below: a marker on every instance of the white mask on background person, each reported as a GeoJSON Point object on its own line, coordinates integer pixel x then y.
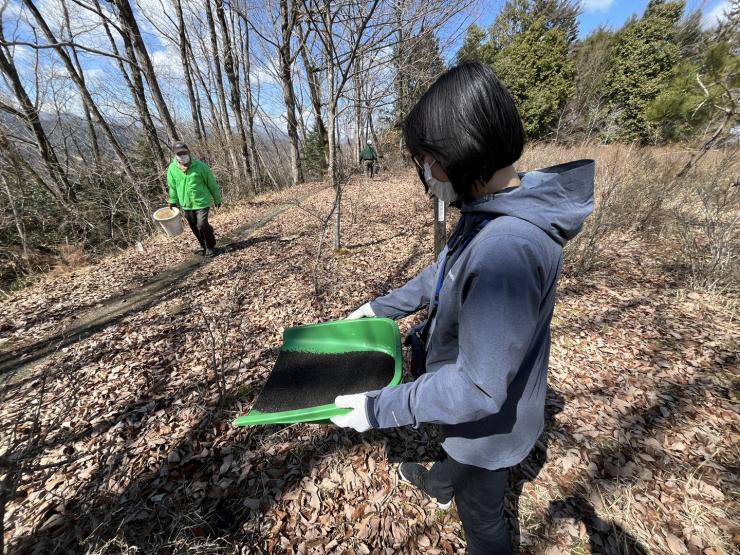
{"type": "Point", "coordinates": [443, 190]}
{"type": "Point", "coordinates": [184, 159]}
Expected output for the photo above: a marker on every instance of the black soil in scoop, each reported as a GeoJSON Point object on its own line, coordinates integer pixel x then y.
{"type": "Point", "coordinates": [301, 380]}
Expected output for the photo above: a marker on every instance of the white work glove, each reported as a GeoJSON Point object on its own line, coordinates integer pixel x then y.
{"type": "Point", "coordinates": [357, 418]}
{"type": "Point", "coordinates": [365, 311]}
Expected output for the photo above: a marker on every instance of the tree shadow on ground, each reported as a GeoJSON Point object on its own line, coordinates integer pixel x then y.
{"type": "Point", "coordinates": [604, 537]}
{"type": "Point", "coordinates": [618, 462]}
{"type": "Point", "coordinates": [154, 512]}
{"type": "Point", "coordinates": [372, 243]}
{"type": "Point", "coordinates": [159, 511]}
{"type": "Point", "coordinates": [236, 246]}
{"type": "Point", "coordinates": [601, 534]}
{"type": "Point", "coordinates": [237, 513]}
{"type": "Point", "coordinates": [115, 309]}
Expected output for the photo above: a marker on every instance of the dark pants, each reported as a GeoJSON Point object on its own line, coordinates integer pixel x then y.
{"type": "Point", "coordinates": [369, 167]}
{"type": "Point", "coordinates": [198, 221]}
{"type": "Point", "coordinates": [479, 495]}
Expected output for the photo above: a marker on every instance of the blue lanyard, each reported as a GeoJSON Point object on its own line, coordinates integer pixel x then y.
{"type": "Point", "coordinates": [450, 252]}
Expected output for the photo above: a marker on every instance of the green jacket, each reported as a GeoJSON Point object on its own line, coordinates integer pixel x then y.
{"type": "Point", "coordinates": [368, 153]}
{"type": "Point", "coordinates": [194, 188]}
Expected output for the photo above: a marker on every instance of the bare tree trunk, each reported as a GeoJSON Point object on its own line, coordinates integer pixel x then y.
{"type": "Point", "coordinates": [330, 83]}
{"type": "Point", "coordinates": [131, 27]}
{"type": "Point", "coordinates": [246, 68]}
{"type": "Point", "coordinates": [136, 88]}
{"type": "Point", "coordinates": [303, 133]}
{"type": "Point", "coordinates": [30, 116]}
{"type": "Point", "coordinates": [186, 69]}
{"type": "Point", "coordinates": [216, 119]}
{"type": "Point", "coordinates": [287, 24]}
{"type": "Point", "coordinates": [372, 128]}
{"type": "Point", "coordinates": [225, 124]}
{"type": "Point", "coordinates": [400, 77]}
{"type": "Point", "coordinates": [314, 89]}
{"type": "Point", "coordinates": [337, 76]}
{"type": "Point", "coordinates": [358, 115]}
{"type": "Point", "coordinates": [16, 216]}
{"type": "Point", "coordinates": [231, 70]}
{"type": "Point", "coordinates": [217, 70]}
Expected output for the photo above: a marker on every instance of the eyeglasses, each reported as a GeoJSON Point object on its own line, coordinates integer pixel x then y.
{"type": "Point", "coordinates": [419, 163]}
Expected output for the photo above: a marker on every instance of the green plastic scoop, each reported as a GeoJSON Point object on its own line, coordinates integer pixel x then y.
{"type": "Point", "coordinates": [366, 335]}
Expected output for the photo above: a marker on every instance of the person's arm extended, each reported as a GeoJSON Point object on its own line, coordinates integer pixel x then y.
{"type": "Point", "coordinates": [497, 321]}
{"type": "Point", "coordinates": [171, 189]}
{"type": "Point", "coordinates": [212, 185]}
{"type": "Point", "coordinates": [408, 298]}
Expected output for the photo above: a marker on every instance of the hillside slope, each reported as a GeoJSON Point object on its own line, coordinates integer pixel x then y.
{"type": "Point", "coordinates": [124, 439]}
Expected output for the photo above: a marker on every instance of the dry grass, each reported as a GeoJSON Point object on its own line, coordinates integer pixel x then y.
{"type": "Point", "coordinates": [693, 219]}
{"type": "Point", "coordinates": [71, 258]}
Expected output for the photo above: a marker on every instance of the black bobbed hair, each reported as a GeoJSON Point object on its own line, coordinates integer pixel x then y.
{"type": "Point", "coordinates": [468, 121]}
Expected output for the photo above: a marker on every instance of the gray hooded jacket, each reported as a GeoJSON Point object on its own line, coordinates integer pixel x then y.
{"type": "Point", "coordinates": [489, 343]}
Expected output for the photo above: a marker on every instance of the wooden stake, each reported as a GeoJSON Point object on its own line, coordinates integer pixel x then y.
{"type": "Point", "coordinates": [440, 230]}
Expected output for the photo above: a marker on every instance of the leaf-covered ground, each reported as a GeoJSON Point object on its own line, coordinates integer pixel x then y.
{"type": "Point", "coordinates": [124, 440]}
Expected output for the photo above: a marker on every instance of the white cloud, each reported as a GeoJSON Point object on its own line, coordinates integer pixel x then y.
{"type": "Point", "coordinates": [597, 5]}
{"type": "Point", "coordinates": [715, 15]}
{"type": "Point", "coordinates": [167, 63]}
{"type": "Point", "coordinates": [262, 76]}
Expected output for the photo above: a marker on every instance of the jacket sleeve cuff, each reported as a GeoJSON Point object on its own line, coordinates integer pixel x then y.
{"type": "Point", "coordinates": [370, 410]}
{"type": "Point", "coordinates": [384, 312]}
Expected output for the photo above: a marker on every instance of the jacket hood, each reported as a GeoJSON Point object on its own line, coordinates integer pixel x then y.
{"type": "Point", "coordinates": [557, 199]}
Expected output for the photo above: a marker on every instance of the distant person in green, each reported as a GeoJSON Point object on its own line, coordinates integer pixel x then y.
{"type": "Point", "coordinates": [194, 190]}
{"type": "Point", "coordinates": [369, 156]}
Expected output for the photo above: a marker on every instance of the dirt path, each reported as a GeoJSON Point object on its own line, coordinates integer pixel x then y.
{"type": "Point", "coordinates": [116, 308]}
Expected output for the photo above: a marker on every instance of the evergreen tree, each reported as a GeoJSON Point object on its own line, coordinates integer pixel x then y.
{"type": "Point", "coordinates": [529, 48]}
{"type": "Point", "coordinates": [644, 54]}
{"type": "Point", "coordinates": [690, 38]}
{"type": "Point", "coordinates": [539, 73]}
{"type": "Point", "coordinates": [313, 155]}
{"type": "Point", "coordinates": [700, 97]}
{"type": "Point", "coordinates": [475, 47]}
{"type": "Point", "coordinates": [517, 16]}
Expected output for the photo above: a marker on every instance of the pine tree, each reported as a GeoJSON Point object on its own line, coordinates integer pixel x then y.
{"type": "Point", "coordinates": [517, 16]}
{"type": "Point", "coordinates": [700, 96]}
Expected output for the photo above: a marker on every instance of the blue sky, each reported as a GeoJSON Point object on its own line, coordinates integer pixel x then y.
{"type": "Point", "coordinates": [113, 96]}
{"type": "Point", "coordinates": [613, 13]}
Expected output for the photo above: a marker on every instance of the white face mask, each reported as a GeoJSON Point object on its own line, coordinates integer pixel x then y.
{"type": "Point", "coordinates": [443, 190]}
{"type": "Point", "coordinates": [184, 159]}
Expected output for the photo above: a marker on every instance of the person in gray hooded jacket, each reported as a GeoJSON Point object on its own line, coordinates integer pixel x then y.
{"type": "Point", "coordinates": [490, 296]}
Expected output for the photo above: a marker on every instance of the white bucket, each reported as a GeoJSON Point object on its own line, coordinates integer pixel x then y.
{"type": "Point", "coordinates": [169, 219]}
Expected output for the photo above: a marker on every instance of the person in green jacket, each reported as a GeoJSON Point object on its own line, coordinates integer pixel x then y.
{"type": "Point", "coordinates": [369, 156]}
{"type": "Point", "coordinates": [193, 189]}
